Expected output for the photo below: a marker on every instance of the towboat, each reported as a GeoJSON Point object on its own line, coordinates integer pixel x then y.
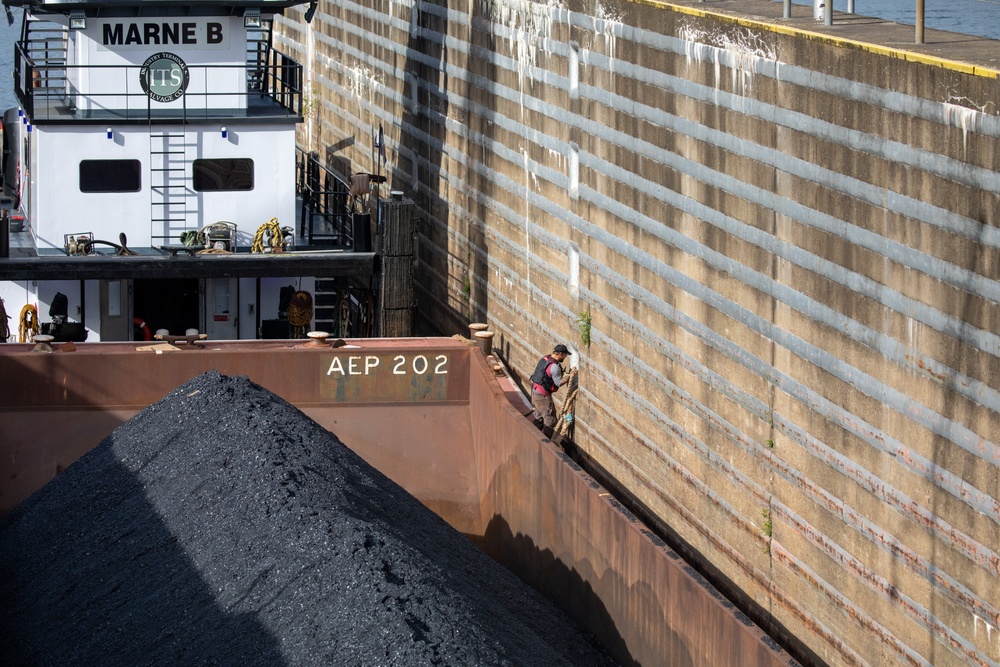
{"type": "Point", "coordinates": [153, 186]}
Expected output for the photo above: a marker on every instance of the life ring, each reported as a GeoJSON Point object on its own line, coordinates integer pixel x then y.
{"type": "Point", "coordinates": [147, 334]}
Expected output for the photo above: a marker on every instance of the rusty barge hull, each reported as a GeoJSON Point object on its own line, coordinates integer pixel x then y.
{"type": "Point", "coordinates": [434, 416]}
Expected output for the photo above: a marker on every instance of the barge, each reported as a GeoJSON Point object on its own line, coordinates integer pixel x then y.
{"type": "Point", "coordinates": [442, 420]}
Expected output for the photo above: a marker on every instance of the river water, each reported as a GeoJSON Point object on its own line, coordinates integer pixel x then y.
{"type": "Point", "coordinates": [970, 17]}
{"type": "Point", "coordinates": [8, 36]}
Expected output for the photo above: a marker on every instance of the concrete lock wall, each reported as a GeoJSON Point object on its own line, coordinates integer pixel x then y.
{"type": "Point", "coordinates": [773, 245]}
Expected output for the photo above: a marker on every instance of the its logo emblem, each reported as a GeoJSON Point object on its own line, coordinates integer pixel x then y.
{"type": "Point", "coordinates": [164, 77]}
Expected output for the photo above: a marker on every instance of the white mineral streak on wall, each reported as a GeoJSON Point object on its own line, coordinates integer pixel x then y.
{"type": "Point", "coordinates": [310, 101]}
{"type": "Point", "coordinates": [987, 625]}
{"type": "Point", "coordinates": [741, 50]}
{"type": "Point", "coordinates": [962, 117]}
{"type": "Point", "coordinates": [527, 222]}
{"type": "Point", "coordinates": [528, 23]}
{"type": "Point", "coordinates": [363, 84]}
{"type": "Point", "coordinates": [607, 24]}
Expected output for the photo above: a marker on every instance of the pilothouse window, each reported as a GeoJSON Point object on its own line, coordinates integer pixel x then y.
{"type": "Point", "coordinates": [223, 174]}
{"type": "Point", "coordinates": [110, 176]}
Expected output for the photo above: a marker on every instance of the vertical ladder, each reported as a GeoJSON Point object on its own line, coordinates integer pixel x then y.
{"type": "Point", "coordinates": [47, 45]}
{"type": "Point", "coordinates": [171, 193]}
{"type": "Point", "coordinates": [258, 56]}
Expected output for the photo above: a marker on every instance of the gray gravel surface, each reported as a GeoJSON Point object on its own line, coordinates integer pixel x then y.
{"type": "Point", "coordinates": [221, 526]}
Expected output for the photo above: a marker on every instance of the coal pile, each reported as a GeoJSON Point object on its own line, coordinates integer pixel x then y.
{"type": "Point", "coordinates": [221, 526]}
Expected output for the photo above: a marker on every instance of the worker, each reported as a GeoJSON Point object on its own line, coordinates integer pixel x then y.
{"type": "Point", "coordinates": [545, 381]}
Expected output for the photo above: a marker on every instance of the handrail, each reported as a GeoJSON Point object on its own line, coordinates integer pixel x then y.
{"type": "Point", "coordinates": [327, 216]}
{"type": "Point", "coordinates": [49, 91]}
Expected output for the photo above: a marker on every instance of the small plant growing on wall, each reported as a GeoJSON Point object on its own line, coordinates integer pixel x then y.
{"type": "Point", "coordinates": [583, 324]}
{"type": "Point", "coordinates": [765, 514]}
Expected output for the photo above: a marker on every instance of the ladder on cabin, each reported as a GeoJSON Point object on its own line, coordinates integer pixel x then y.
{"type": "Point", "coordinates": [258, 56]}
{"type": "Point", "coordinates": [46, 46]}
{"type": "Point", "coordinates": [172, 196]}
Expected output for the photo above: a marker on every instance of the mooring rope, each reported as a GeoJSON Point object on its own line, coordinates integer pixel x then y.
{"type": "Point", "coordinates": [300, 312]}
{"type": "Point", "coordinates": [27, 324]}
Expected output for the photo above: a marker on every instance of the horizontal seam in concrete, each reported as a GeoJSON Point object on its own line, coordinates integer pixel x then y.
{"type": "Point", "coordinates": [963, 492]}
{"type": "Point", "coordinates": [965, 280]}
{"type": "Point", "coordinates": [874, 437]}
{"type": "Point", "coordinates": [868, 481]}
{"type": "Point", "coordinates": [727, 551]}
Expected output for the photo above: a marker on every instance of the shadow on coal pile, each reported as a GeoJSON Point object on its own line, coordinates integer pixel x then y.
{"type": "Point", "coordinates": [91, 576]}
{"type": "Point", "coordinates": [563, 586]}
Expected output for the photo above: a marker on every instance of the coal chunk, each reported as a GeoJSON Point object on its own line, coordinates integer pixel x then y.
{"type": "Point", "coordinates": [222, 526]}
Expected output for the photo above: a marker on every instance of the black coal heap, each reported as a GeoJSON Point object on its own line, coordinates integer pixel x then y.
{"type": "Point", "coordinates": [221, 526]}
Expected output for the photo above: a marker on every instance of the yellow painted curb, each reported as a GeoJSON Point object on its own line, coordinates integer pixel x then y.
{"type": "Point", "coordinates": [909, 56]}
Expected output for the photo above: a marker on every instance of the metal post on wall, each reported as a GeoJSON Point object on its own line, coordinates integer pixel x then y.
{"type": "Point", "coordinates": [828, 12]}
{"type": "Point", "coordinates": [788, 9]}
{"type": "Point", "coordinates": [850, 6]}
{"type": "Point", "coordinates": [920, 22]}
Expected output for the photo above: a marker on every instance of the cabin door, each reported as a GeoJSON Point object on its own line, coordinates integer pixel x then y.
{"type": "Point", "coordinates": [221, 308]}
{"type": "Point", "coordinates": [114, 303]}
{"type": "Point", "coordinates": [170, 304]}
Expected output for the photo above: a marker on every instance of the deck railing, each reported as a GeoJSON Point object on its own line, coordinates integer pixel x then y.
{"type": "Point", "coordinates": [329, 217]}
{"type": "Point", "coordinates": [54, 91]}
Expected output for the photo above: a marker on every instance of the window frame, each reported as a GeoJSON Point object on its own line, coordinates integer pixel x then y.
{"type": "Point", "coordinates": [106, 181]}
{"type": "Point", "coordinates": [251, 171]}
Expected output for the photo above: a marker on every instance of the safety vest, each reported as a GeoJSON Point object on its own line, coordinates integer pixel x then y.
{"type": "Point", "coordinates": [541, 375]}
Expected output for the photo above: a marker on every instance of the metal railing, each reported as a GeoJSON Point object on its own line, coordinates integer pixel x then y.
{"type": "Point", "coordinates": [47, 90]}
{"type": "Point", "coordinates": [328, 216]}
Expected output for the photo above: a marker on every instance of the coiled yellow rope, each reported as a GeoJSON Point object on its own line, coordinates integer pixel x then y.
{"type": "Point", "coordinates": [300, 312]}
{"type": "Point", "coordinates": [27, 324]}
{"type": "Point", "coordinates": [275, 237]}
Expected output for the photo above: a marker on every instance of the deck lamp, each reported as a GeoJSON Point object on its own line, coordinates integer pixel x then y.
{"type": "Point", "coordinates": [77, 21]}
{"type": "Point", "coordinates": [111, 133]}
{"type": "Point", "coordinates": [251, 18]}
{"type": "Point", "coordinates": [225, 132]}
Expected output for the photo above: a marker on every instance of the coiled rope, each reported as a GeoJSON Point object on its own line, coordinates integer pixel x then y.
{"type": "Point", "coordinates": [275, 237]}
{"type": "Point", "coordinates": [300, 312]}
{"type": "Point", "coordinates": [27, 324]}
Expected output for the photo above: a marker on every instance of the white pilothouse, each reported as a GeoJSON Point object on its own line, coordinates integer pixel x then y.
{"type": "Point", "coordinates": [152, 177]}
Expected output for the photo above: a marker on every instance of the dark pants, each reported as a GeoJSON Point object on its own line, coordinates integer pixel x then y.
{"type": "Point", "coordinates": [545, 411]}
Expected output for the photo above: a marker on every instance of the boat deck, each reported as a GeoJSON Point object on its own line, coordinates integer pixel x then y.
{"type": "Point", "coordinates": [260, 108]}
{"type": "Point", "coordinates": [24, 262]}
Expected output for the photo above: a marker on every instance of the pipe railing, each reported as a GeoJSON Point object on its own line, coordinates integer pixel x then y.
{"type": "Point", "coordinates": [49, 90]}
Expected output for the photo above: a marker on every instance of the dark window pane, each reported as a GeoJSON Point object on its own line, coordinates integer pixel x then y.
{"type": "Point", "coordinates": [223, 174]}
{"type": "Point", "coordinates": [110, 176]}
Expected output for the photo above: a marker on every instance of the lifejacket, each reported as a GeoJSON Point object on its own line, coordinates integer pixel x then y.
{"type": "Point", "coordinates": [541, 375]}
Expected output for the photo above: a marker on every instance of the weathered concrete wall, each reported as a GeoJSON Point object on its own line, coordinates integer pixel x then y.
{"type": "Point", "coordinates": [786, 243]}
